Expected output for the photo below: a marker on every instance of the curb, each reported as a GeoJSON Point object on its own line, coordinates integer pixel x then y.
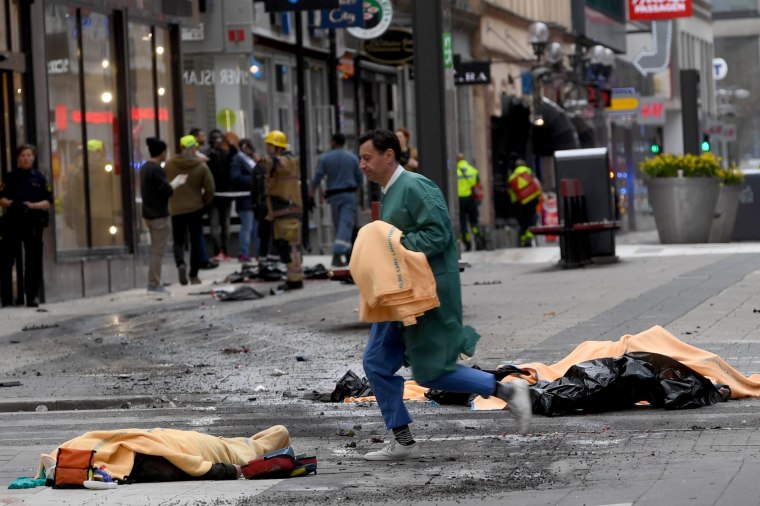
{"type": "Point", "coordinates": [75, 404]}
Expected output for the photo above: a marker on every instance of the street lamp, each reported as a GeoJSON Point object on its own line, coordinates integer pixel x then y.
{"type": "Point", "coordinates": [538, 36]}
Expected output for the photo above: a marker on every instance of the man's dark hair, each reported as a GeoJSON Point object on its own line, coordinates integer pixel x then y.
{"type": "Point", "coordinates": [339, 139]}
{"type": "Point", "coordinates": [382, 140]}
{"type": "Point", "coordinates": [246, 142]}
{"type": "Point", "coordinates": [195, 131]}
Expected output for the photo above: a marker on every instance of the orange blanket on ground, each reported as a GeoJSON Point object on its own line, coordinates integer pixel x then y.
{"type": "Point", "coordinates": [654, 340]}
{"type": "Point", "coordinates": [190, 451]}
{"type": "Point", "coordinates": [394, 284]}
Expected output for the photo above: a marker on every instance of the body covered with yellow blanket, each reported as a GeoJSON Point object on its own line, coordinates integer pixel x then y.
{"type": "Point", "coordinates": [192, 452]}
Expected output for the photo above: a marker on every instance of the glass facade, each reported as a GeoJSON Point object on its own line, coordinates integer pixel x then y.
{"type": "Point", "coordinates": [734, 6]}
{"type": "Point", "coordinates": [95, 166]}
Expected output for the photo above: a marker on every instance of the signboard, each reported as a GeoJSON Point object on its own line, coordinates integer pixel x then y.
{"type": "Point", "coordinates": [651, 10]}
{"type": "Point", "coordinates": [195, 33]}
{"type": "Point", "coordinates": [349, 14]}
{"type": "Point", "coordinates": [394, 47]}
{"type": "Point", "coordinates": [729, 132]}
{"type": "Point", "coordinates": [299, 5]}
{"type": "Point", "coordinates": [651, 111]}
{"type": "Point", "coordinates": [472, 72]}
{"type": "Point", "coordinates": [623, 102]}
{"type": "Point", "coordinates": [378, 15]}
{"type": "Point", "coordinates": [448, 51]}
{"type": "Point", "coordinates": [720, 68]}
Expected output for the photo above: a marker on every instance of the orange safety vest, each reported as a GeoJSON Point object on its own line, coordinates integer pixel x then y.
{"type": "Point", "coordinates": [523, 187]}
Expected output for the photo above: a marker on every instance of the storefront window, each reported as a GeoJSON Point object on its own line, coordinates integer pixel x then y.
{"type": "Point", "coordinates": [106, 217]}
{"type": "Point", "coordinates": [164, 88]}
{"type": "Point", "coordinates": [260, 88]}
{"type": "Point", "coordinates": [15, 25]}
{"type": "Point", "coordinates": [65, 132]}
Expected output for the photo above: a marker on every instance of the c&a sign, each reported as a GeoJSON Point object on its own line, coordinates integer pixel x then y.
{"type": "Point", "coordinates": [647, 10]}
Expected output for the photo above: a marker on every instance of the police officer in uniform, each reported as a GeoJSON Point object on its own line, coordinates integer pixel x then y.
{"type": "Point", "coordinates": [26, 198]}
{"type": "Point", "coordinates": [467, 178]}
{"type": "Point", "coordinates": [284, 205]}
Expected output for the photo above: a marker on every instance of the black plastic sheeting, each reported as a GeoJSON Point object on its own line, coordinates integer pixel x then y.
{"type": "Point", "coordinates": [613, 383]}
{"type": "Point", "coordinates": [609, 384]}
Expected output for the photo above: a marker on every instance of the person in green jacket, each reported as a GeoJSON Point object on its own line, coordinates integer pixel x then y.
{"type": "Point", "coordinates": [416, 206]}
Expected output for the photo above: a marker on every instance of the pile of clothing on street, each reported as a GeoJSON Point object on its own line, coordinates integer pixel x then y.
{"type": "Point", "coordinates": [271, 270]}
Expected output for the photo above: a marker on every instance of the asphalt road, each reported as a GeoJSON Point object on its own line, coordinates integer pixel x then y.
{"type": "Point", "coordinates": [234, 368]}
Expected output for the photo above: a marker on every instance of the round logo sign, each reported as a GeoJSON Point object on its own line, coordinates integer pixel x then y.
{"type": "Point", "coordinates": [225, 118]}
{"type": "Point", "coordinates": [378, 15]}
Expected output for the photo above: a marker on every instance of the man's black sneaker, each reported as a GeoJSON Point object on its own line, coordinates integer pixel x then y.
{"type": "Point", "coordinates": [182, 270]}
{"type": "Point", "coordinates": [209, 264]}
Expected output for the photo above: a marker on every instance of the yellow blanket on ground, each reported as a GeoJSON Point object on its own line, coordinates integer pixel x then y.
{"type": "Point", "coordinates": [654, 340]}
{"type": "Point", "coordinates": [394, 284]}
{"type": "Point", "coordinates": [190, 451]}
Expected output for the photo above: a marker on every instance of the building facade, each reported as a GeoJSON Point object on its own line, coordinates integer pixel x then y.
{"type": "Point", "coordinates": [88, 84]}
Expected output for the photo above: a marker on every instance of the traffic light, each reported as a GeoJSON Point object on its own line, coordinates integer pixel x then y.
{"type": "Point", "coordinates": [705, 143]}
{"type": "Point", "coordinates": [654, 147]}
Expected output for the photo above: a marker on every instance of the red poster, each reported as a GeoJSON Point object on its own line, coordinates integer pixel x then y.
{"type": "Point", "coordinates": [646, 10]}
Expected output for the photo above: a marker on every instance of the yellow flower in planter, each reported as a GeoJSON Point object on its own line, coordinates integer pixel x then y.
{"type": "Point", "coordinates": [731, 175]}
{"type": "Point", "coordinates": [667, 165]}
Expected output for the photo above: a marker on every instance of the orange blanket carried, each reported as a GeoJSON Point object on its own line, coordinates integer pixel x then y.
{"type": "Point", "coordinates": [395, 284]}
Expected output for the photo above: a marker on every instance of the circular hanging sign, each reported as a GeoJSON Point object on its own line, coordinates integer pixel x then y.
{"type": "Point", "coordinates": [394, 47]}
{"type": "Point", "coordinates": [378, 15]}
{"type": "Point", "coordinates": [225, 118]}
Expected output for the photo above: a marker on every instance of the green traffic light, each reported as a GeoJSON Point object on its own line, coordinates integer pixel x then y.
{"type": "Point", "coordinates": [705, 146]}
{"type": "Point", "coordinates": [654, 148]}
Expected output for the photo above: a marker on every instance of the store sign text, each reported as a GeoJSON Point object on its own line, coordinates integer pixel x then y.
{"type": "Point", "coordinates": [58, 66]}
{"type": "Point", "coordinates": [209, 77]}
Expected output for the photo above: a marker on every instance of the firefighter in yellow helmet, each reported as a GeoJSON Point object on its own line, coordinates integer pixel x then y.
{"type": "Point", "coordinates": [525, 193]}
{"type": "Point", "coordinates": [284, 204]}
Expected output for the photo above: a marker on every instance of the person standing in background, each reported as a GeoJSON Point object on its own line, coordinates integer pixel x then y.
{"type": "Point", "coordinates": [26, 198]}
{"type": "Point", "coordinates": [284, 205]}
{"type": "Point", "coordinates": [156, 190]}
{"type": "Point", "coordinates": [467, 179]}
{"type": "Point", "coordinates": [408, 157]}
{"type": "Point", "coordinates": [241, 179]}
{"type": "Point", "coordinates": [206, 262]}
{"type": "Point", "coordinates": [220, 155]}
{"type": "Point", "coordinates": [341, 167]}
{"type": "Point", "coordinates": [186, 205]}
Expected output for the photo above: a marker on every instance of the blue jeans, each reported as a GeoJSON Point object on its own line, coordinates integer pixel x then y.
{"type": "Point", "coordinates": [384, 355]}
{"type": "Point", "coordinates": [249, 229]}
{"type": "Point", "coordinates": [343, 210]}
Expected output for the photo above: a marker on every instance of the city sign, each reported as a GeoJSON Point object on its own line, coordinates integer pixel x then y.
{"type": "Point", "coordinates": [472, 72]}
{"type": "Point", "coordinates": [720, 68]}
{"type": "Point", "coordinates": [656, 57]}
{"type": "Point", "coordinates": [623, 102]}
{"type": "Point", "coordinates": [651, 111]}
{"type": "Point", "coordinates": [378, 15]}
{"type": "Point", "coordinates": [394, 47]}
{"type": "Point", "coordinates": [349, 14]}
{"type": "Point", "coordinates": [652, 10]}
{"type": "Point", "coordinates": [299, 5]}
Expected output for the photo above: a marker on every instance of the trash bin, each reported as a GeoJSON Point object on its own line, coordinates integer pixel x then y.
{"type": "Point", "coordinates": [747, 227]}
{"type": "Point", "coordinates": [591, 167]}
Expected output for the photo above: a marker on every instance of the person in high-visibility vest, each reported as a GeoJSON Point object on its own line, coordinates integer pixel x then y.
{"type": "Point", "coordinates": [467, 179]}
{"type": "Point", "coordinates": [524, 192]}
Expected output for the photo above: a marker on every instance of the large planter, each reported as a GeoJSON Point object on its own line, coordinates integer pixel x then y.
{"type": "Point", "coordinates": [684, 207]}
{"type": "Point", "coordinates": [725, 213]}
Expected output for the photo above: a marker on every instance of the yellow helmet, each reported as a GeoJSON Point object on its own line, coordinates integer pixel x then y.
{"type": "Point", "coordinates": [277, 138]}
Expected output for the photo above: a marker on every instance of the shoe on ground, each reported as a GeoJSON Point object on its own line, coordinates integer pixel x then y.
{"type": "Point", "coordinates": [158, 289]}
{"type": "Point", "coordinates": [182, 271]}
{"type": "Point", "coordinates": [209, 264]}
{"type": "Point", "coordinates": [395, 451]}
{"type": "Point", "coordinates": [195, 280]}
{"type": "Point", "coordinates": [338, 261]}
{"type": "Point", "coordinates": [290, 285]}
{"type": "Point", "coordinates": [34, 302]}
{"type": "Point", "coordinates": [220, 257]}
{"type": "Point", "coordinates": [520, 405]}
